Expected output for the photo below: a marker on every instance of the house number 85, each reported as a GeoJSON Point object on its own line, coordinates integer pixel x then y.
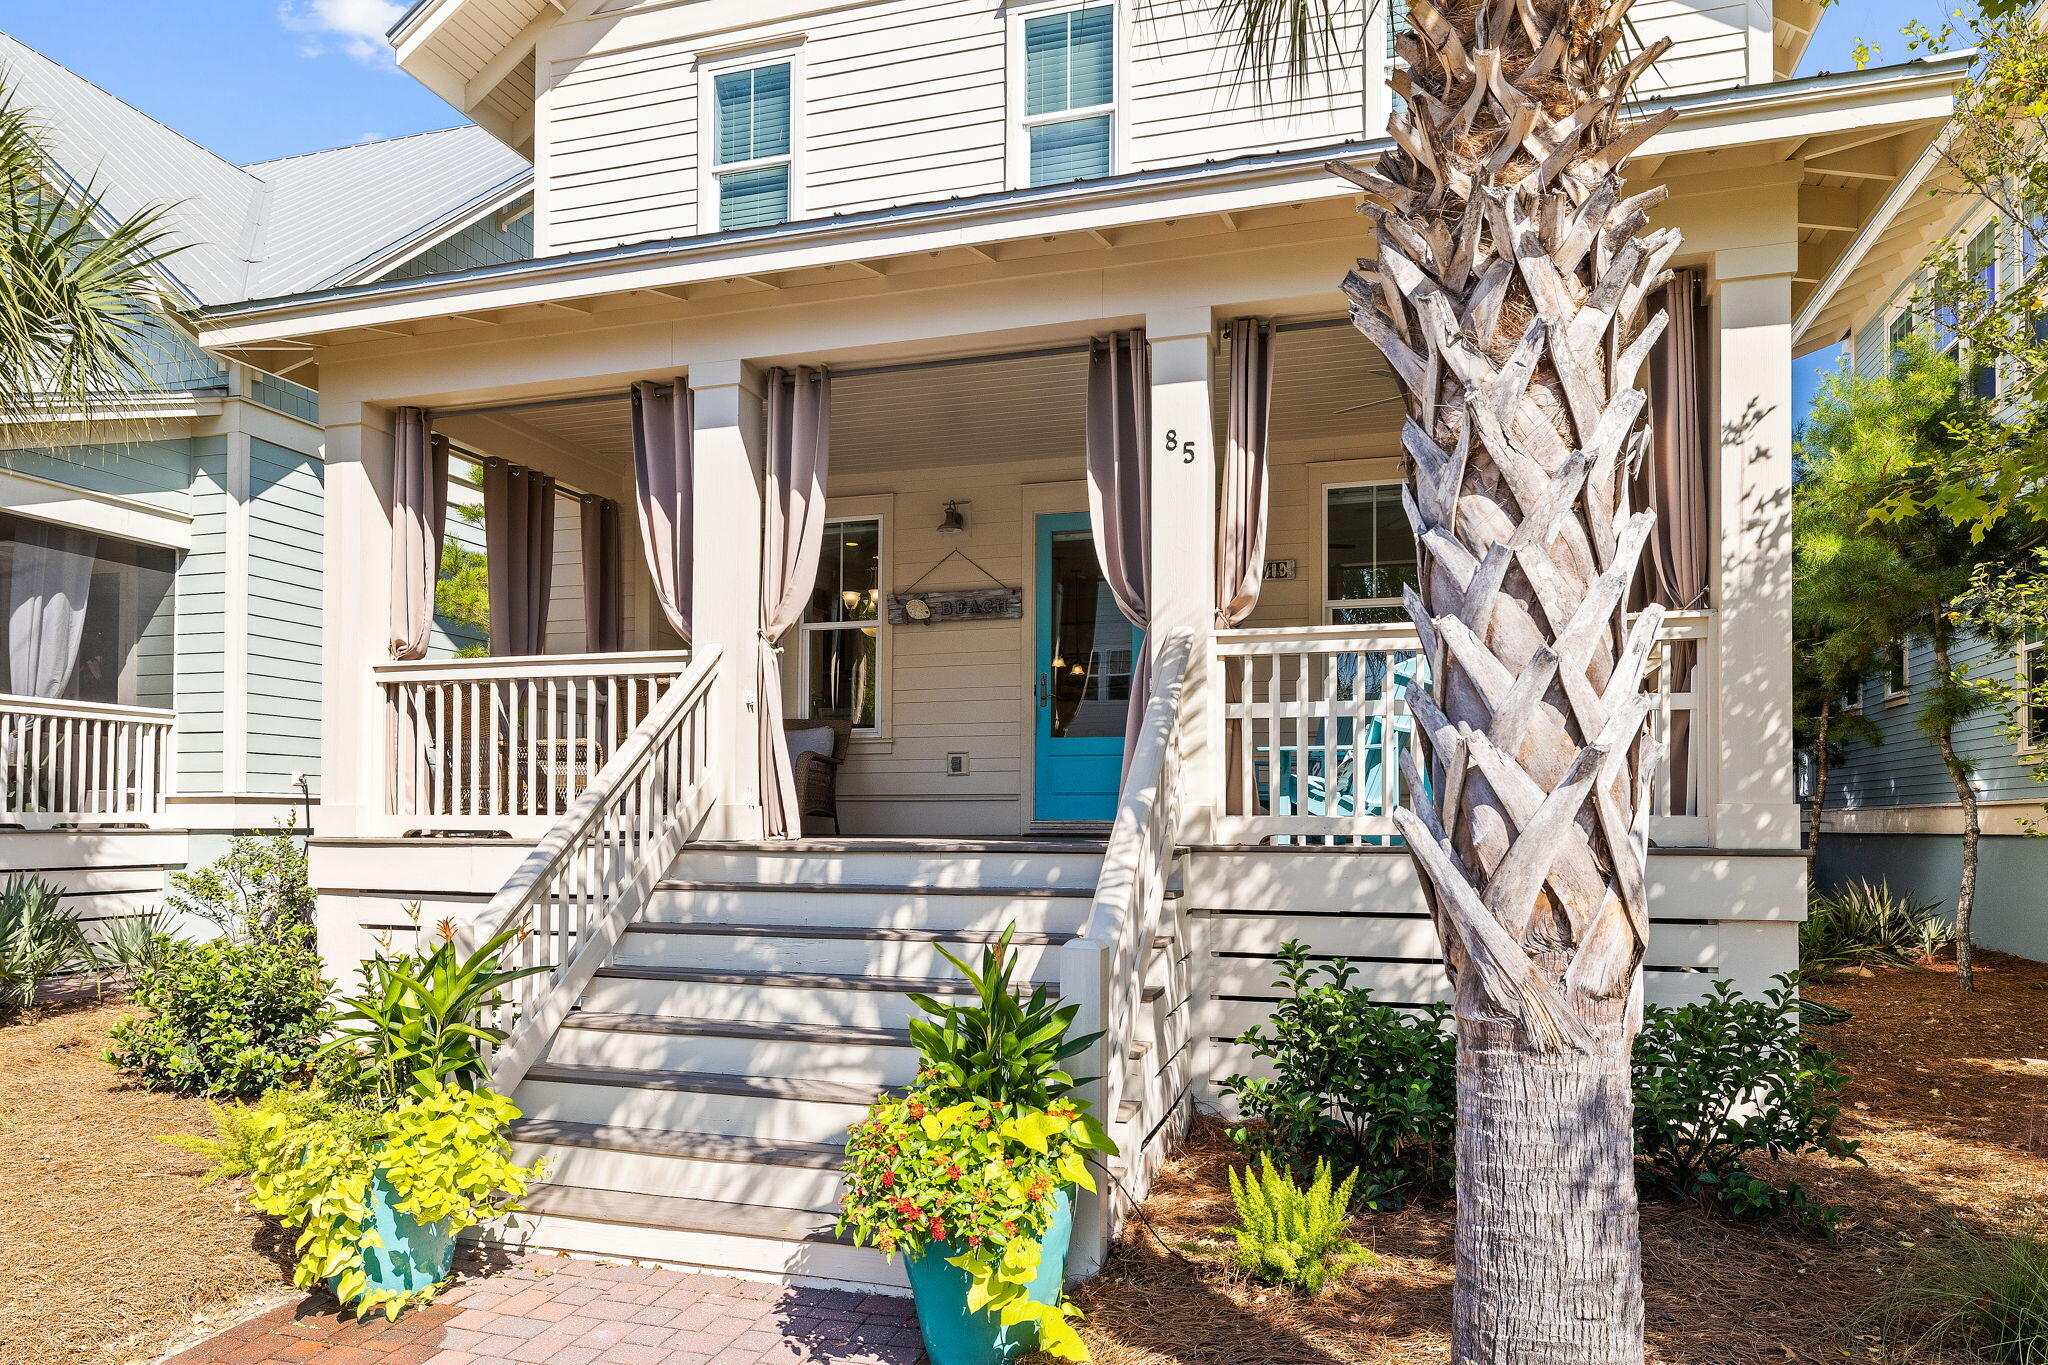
{"type": "Point", "coordinates": [1173, 444]}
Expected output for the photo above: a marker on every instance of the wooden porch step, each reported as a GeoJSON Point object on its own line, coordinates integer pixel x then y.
{"type": "Point", "coordinates": [822, 1035]}
{"type": "Point", "coordinates": [856, 933]}
{"type": "Point", "coordinates": [877, 889]}
{"type": "Point", "coordinates": [605, 1137]}
{"type": "Point", "coordinates": [899, 845]}
{"type": "Point", "coordinates": [707, 1083]}
{"type": "Point", "coordinates": [815, 981]}
{"type": "Point", "coordinates": [680, 1026]}
{"type": "Point", "coordinates": [680, 1215]}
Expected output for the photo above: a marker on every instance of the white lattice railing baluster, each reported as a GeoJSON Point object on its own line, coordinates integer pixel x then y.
{"type": "Point", "coordinates": [590, 875]}
{"type": "Point", "coordinates": [66, 761]}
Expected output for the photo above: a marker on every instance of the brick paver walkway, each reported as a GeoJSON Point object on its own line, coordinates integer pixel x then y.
{"type": "Point", "coordinates": [549, 1310]}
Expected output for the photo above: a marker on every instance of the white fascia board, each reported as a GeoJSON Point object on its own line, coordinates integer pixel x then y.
{"type": "Point", "coordinates": [115, 410]}
{"type": "Point", "coordinates": [130, 519]}
{"type": "Point", "coordinates": [1720, 119]}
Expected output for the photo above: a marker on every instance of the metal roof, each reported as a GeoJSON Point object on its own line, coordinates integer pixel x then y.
{"type": "Point", "coordinates": [286, 226]}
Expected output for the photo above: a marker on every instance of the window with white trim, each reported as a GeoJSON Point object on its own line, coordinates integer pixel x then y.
{"type": "Point", "coordinates": [753, 111]}
{"type": "Point", "coordinates": [842, 627]}
{"type": "Point", "coordinates": [1897, 336]}
{"type": "Point", "coordinates": [1980, 259]}
{"type": "Point", "coordinates": [2033, 681]}
{"type": "Point", "coordinates": [1369, 554]}
{"type": "Point", "coordinates": [1897, 674]}
{"type": "Point", "coordinates": [1063, 77]}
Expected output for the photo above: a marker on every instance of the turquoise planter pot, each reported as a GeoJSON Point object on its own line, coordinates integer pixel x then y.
{"type": "Point", "coordinates": [414, 1257]}
{"type": "Point", "coordinates": [955, 1336]}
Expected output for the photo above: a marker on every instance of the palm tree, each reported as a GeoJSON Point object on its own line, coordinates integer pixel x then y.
{"type": "Point", "coordinates": [78, 295]}
{"type": "Point", "coordinates": [1508, 295]}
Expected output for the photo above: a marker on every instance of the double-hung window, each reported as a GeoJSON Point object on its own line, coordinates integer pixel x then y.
{"type": "Point", "coordinates": [752, 112]}
{"type": "Point", "coordinates": [2034, 694]}
{"type": "Point", "coordinates": [1067, 129]}
{"type": "Point", "coordinates": [1369, 554]}
{"type": "Point", "coordinates": [1901, 333]}
{"type": "Point", "coordinates": [1980, 259]}
{"type": "Point", "coordinates": [842, 627]}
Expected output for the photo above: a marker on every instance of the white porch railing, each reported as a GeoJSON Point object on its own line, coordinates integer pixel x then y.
{"type": "Point", "coordinates": [1127, 969]}
{"type": "Point", "coordinates": [65, 761]}
{"type": "Point", "coordinates": [511, 740]}
{"type": "Point", "coordinates": [1315, 720]}
{"type": "Point", "coordinates": [588, 878]}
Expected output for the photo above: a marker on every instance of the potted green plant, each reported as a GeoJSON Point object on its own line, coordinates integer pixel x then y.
{"type": "Point", "coordinates": [404, 1146]}
{"type": "Point", "coordinates": [970, 1176]}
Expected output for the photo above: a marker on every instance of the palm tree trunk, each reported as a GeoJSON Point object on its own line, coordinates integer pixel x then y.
{"type": "Point", "coordinates": [1966, 797]}
{"type": "Point", "coordinates": [1820, 789]}
{"type": "Point", "coordinates": [1508, 297]}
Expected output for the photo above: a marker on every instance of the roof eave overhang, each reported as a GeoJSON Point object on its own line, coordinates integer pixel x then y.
{"type": "Point", "coordinates": [1717, 119]}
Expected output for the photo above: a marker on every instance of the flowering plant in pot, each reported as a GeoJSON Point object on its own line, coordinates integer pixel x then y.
{"type": "Point", "coordinates": [402, 1146]}
{"type": "Point", "coordinates": [971, 1174]}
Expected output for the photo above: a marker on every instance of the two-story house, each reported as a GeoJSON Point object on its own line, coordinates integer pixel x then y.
{"type": "Point", "coordinates": [961, 395]}
{"type": "Point", "coordinates": [161, 568]}
{"type": "Point", "coordinates": [1892, 814]}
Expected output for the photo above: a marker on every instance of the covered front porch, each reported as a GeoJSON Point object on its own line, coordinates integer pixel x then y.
{"type": "Point", "coordinates": [956, 663]}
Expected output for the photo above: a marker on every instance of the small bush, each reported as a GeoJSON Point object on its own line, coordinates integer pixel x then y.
{"type": "Point", "coordinates": [1865, 924]}
{"type": "Point", "coordinates": [1727, 1078]}
{"type": "Point", "coordinates": [1369, 1088]}
{"type": "Point", "coordinates": [1991, 1293]}
{"type": "Point", "coordinates": [131, 944]}
{"type": "Point", "coordinates": [1288, 1235]}
{"type": "Point", "coordinates": [226, 1019]}
{"type": "Point", "coordinates": [39, 939]}
{"type": "Point", "coordinates": [255, 892]}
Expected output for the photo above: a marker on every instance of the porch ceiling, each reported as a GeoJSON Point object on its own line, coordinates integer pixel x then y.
{"type": "Point", "coordinates": [1328, 383]}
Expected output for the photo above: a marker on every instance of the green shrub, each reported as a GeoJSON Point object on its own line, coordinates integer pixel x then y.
{"type": "Point", "coordinates": [423, 1019]}
{"type": "Point", "coordinates": [226, 1018]}
{"type": "Point", "coordinates": [1865, 924]}
{"type": "Point", "coordinates": [39, 939]}
{"type": "Point", "coordinates": [1369, 1088]}
{"type": "Point", "coordinates": [131, 944]}
{"type": "Point", "coordinates": [997, 1047]}
{"type": "Point", "coordinates": [1730, 1077]}
{"type": "Point", "coordinates": [1989, 1292]}
{"type": "Point", "coordinates": [255, 892]}
{"type": "Point", "coordinates": [1288, 1235]}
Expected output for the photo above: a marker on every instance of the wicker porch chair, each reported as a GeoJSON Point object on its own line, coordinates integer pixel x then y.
{"type": "Point", "coordinates": [817, 772]}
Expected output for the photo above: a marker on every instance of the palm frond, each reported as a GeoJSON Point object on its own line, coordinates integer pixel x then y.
{"type": "Point", "coordinates": [1294, 38]}
{"type": "Point", "coordinates": [78, 290]}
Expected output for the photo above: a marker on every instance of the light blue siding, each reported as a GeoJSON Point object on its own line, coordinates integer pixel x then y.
{"type": "Point", "coordinates": [155, 472]}
{"type": "Point", "coordinates": [285, 545]}
{"type": "Point", "coordinates": [1906, 770]}
{"type": "Point", "coordinates": [281, 395]}
{"type": "Point", "coordinates": [201, 632]}
{"type": "Point", "coordinates": [2011, 915]}
{"type": "Point", "coordinates": [480, 244]}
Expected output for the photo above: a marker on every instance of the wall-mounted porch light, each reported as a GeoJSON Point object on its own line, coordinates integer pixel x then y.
{"type": "Point", "coordinates": [954, 523]}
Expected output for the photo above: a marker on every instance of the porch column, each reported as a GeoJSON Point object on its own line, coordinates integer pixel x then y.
{"type": "Point", "coordinates": [1751, 798]}
{"type": "Point", "coordinates": [726, 584]}
{"type": "Point", "coordinates": [1183, 568]}
{"type": "Point", "coordinates": [356, 617]}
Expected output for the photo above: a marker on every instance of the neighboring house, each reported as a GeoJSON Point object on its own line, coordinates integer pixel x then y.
{"type": "Point", "coordinates": [983, 219]}
{"type": "Point", "coordinates": [171, 555]}
{"type": "Point", "coordinates": [1892, 811]}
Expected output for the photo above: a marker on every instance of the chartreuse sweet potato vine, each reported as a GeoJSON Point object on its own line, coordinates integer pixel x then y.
{"type": "Point", "coordinates": [977, 1177]}
{"type": "Point", "coordinates": [312, 1159]}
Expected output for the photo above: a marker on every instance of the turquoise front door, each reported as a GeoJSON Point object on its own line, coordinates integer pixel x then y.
{"type": "Point", "coordinates": [1085, 654]}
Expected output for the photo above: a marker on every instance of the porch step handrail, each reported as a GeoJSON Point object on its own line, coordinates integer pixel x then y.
{"type": "Point", "coordinates": [1129, 925]}
{"type": "Point", "coordinates": [589, 877]}
{"type": "Point", "coordinates": [66, 760]}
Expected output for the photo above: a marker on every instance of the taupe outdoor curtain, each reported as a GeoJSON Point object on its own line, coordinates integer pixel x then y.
{"type": "Point", "coordinates": [519, 550]}
{"type": "Point", "coordinates": [1120, 492]}
{"type": "Point", "coordinates": [1241, 533]}
{"type": "Point", "coordinates": [664, 422]}
{"type": "Point", "coordinates": [419, 515]}
{"type": "Point", "coordinates": [1673, 478]}
{"type": "Point", "coordinates": [604, 577]}
{"type": "Point", "coordinates": [792, 535]}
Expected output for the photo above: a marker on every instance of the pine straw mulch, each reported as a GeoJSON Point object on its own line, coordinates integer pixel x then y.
{"type": "Point", "coordinates": [109, 1249]}
{"type": "Point", "coordinates": [1949, 1097]}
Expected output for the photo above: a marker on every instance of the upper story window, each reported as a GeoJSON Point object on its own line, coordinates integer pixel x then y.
{"type": "Point", "coordinates": [1898, 676]}
{"type": "Point", "coordinates": [1901, 332]}
{"type": "Point", "coordinates": [752, 141]}
{"type": "Point", "coordinates": [1980, 258]}
{"type": "Point", "coordinates": [1066, 127]}
{"type": "Point", "coordinates": [1369, 554]}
